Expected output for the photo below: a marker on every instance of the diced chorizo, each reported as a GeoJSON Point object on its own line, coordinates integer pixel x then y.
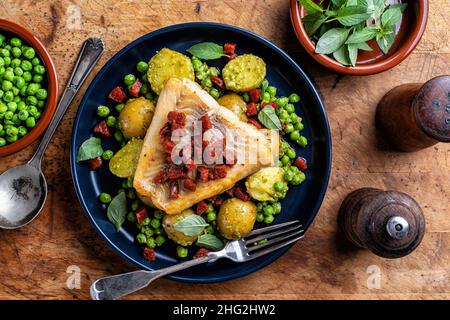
{"type": "Point", "coordinates": [202, 206]}
{"type": "Point", "coordinates": [255, 94]}
{"type": "Point", "coordinates": [117, 95]}
{"type": "Point", "coordinates": [203, 174]}
{"type": "Point", "coordinates": [141, 214]}
{"type": "Point", "coordinates": [232, 56]}
{"type": "Point", "coordinates": [206, 123]}
{"type": "Point", "coordinates": [273, 104]}
{"type": "Point", "coordinates": [218, 82]}
{"type": "Point", "coordinates": [174, 190]}
{"type": "Point", "coordinates": [95, 163]}
{"type": "Point", "coordinates": [301, 163]}
{"type": "Point", "coordinates": [135, 88]}
{"type": "Point", "coordinates": [175, 173]}
{"type": "Point", "coordinates": [252, 109]}
{"type": "Point", "coordinates": [149, 254]}
{"type": "Point", "coordinates": [220, 171]}
{"type": "Point", "coordinates": [229, 48]}
{"type": "Point", "coordinates": [177, 117]}
{"type": "Point", "coordinates": [201, 253]}
{"type": "Point", "coordinates": [255, 123]}
{"type": "Point", "coordinates": [189, 184]}
{"type": "Point", "coordinates": [167, 145]}
{"type": "Point", "coordinates": [102, 129]}
{"type": "Point", "coordinates": [241, 194]}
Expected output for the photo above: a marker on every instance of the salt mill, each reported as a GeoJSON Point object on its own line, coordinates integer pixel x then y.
{"type": "Point", "coordinates": [415, 116]}
{"type": "Point", "coordinates": [388, 223]}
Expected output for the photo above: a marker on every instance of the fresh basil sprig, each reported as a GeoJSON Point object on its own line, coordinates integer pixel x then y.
{"type": "Point", "coordinates": [117, 210]}
{"type": "Point", "coordinates": [191, 226]}
{"type": "Point", "coordinates": [207, 51]}
{"type": "Point", "coordinates": [345, 26]}
{"type": "Point", "coordinates": [90, 149]}
{"type": "Point", "coordinates": [209, 241]}
{"type": "Point", "coordinates": [268, 117]}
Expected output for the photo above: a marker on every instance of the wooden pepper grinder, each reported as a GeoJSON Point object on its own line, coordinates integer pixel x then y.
{"type": "Point", "coordinates": [414, 116]}
{"type": "Point", "coordinates": [388, 223]}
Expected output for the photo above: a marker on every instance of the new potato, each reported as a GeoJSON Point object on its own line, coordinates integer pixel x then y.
{"type": "Point", "coordinates": [236, 218]}
{"type": "Point", "coordinates": [124, 163]}
{"type": "Point", "coordinates": [260, 185]}
{"type": "Point", "coordinates": [168, 224]}
{"type": "Point", "coordinates": [235, 103]}
{"type": "Point", "coordinates": [135, 117]}
{"type": "Point", "coordinates": [244, 73]}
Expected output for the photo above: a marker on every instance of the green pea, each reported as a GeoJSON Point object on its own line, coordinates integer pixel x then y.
{"type": "Point", "coordinates": [35, 61]}
{"type": "Point", "coordinates": [9, 115]}
{"type": "Point", "coordinates": [104, 197]}
{"type": "Point", "coordinates": [160, 240]}
{"type": "Point", "coordinates": [15, 42]}
{"type": "Point", "coordinates": [302, 141]}
{"type": "Point", "coordinates": [32, 110]}
{"type": "Point", "coordinates": [32, 89]}
{"type": "Point", "coordinates": [211, 216]}
{"type": "Point", "coordinates": [289, 128]}
{"type": "Point", "coordinates": [6, 85]}
{"type": "Point", "coordinates": [129, 79]}
{"type": "Point", "coordinates": [131, 194]}
{"type": "Point", "coordinates": [196, 63]}
{"type": "Point", "coordinates": [213, 71]}
{"type": "Point", "coordinates": [149, 96]}
{"type": "Point", "coordinates": [144, 78]}
{"type": "Point", "coordinates": [268, 219]}
{"type": "Point", "coordinates": [26, 65]}
{"type": "Point", "coordinates": [23, 115]}
{"type": "Point", "coordinates": [27, 76]}
{"type": "Point", "coordinates": [272, 91]}
{"type": "Point", "coordinates": [18, 72]}
{"type": "Point", "coordinates": [30, 122]}
{"type": "Point", "coordinates": [12, 106]}
{"type": "Point", "coordinates": [3, 108]}
{"type": "Point", "coordinates": [16, 52]}
{"type": "Point", "coordinates": [146, 221]}
{"type": "Point", "coordinates": [37, 78]}
{"type": "Point", "coordinates": [148, 232]}
{"type": "Point", "coordinates": [7, 61]}
{"type": "Point", "coordinates": [131, 217]}
{"type": "Point", "coordinates": [103, 111]}
{"type": "Point", "coordinates": [15, 63]}
{"type": "Point", "coordinates": [266, 97]}
{"type": "Point", "coordinates": [111, 121]}
{"type": "Point", "coordinates": [210, 208]}
{"type": "Point", "coordinates": [29, 53]}
{"type": "Point", "coordinates": [289, 108]}
{"type": "Point", "coordinates": [288, 175]}
{"type": "Point", "coordinates": [12, 139]}
{"type": "Point", "coordinates": [15, 92]}
{"type": "Point", "coordinates": [299, 126]}
{"type": "Point", "coordinates": [41, 94]}
{"type": "Point", "coordinates": [298, 179]}
{"type": "Point", "coordinates": [4, 52]}
{"type": "Point", "coordinates": [2, 142]}
{"type": "Point", "coordinates": [142, 66]}
{"type": "Point", "coordinates": [246, 97]}
{"type": "Point", "coordinates": [182, 252]}
{"type": "Point", "coordinates": [291, 153]}
{"type": "Point", "coordinates": [209, 230]}
{"type": "Point", "coordinates": [283, 117]}
{"type": "Point", "coordinates": [31, 100]}
{"type": "Point", "coordinates": [155, 223]}
{"type": "Point", "coordinates": [158, 214]}
{"type": "Point", "coordinates": [214, 93]}
{"type": "Point", "coordinates": [285, 160]}
{"type": "Point", "coordinates": [295, 135]}
{"type": "Point", "coordinates": [144, 89]}
{"type": "Point", "coordinates": [207, 83]}
{"type": "Point", "coordinates": [40, 104]}
{"type": "Point", "coordinates": [141, 238]}
{"type": "Point", "coordinates": [278, 186]}
{"type": "Point", "coordinates": [21, 106]}
{"type": "Point", "coordinates": [294, 98]}
{"type": "Point", "coordinates": [260, 217]}
{"type": "Point", "coordinates": [39, 69]}
{"type": "Point", "coordinates": [276, 207]}
{"type": "Point", "coordinates": [268, 210]}
{"type": "Point", "coordinates": [107, 155]}
{"type": "Point", "coordinates": [12, 131]}
{"type": "Point", "coordinates": [151, 243]}
{"type": "Point", "coordinates": [118, 136]}
{"type": "Point", "coordinates": [119, 107]}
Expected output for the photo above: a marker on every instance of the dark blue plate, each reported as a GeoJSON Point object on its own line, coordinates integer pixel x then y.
{"type": "Point", "coordinates": [302, 202]}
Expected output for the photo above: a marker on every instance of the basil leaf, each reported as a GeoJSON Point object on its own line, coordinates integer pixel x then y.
{"type": "Point", "coordinates": [363, 46]}
{"type": "Point", "coordinates": [364, 35]}
{"type": "Point", "coordinates": [209, 241]}
{"type": "Point", "coordinates": [332, 40]}
{"type": "Point", "coordinates": [90, 149]}
{"type": "Point", "coordinates": [350, 16]}
{"type": "Point", "coordinates": [386, 41]}
{"type": "Point", "coordinates": [311, 6]}
{"type": "Point", "coordinates": [313, 22]}
{"type": "Point", "coordinates": [269, 118]}
{"type": "Point", "coordinates": [352, 3]}
{"type": "Point", "coordinates": [402, 6]}
{"type": "Point", "coordinates": [352, 54]}
{"type": "Point", "coordinates": [336, 4]}
{"type": "Point", "coordinates": [207, 51]}
{"type": "Point", "coordinates": [391, 16]}
{"type": "Point", "coordinates": [341, 55]}
{"type": "Point", "coordinates": [191, 226]}
{"type": "Point", "coordinates": [117, 210]}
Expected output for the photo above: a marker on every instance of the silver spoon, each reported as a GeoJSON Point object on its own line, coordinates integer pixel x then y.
{"type": "Point", "coordinates": [23, 189]}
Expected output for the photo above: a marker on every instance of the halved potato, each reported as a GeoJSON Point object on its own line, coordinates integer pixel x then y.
{"type": "Point", "coordinates": [124, 163]}
{"type": "Point", "coordinates": [235, 103]}
{"type": "Point", "coordinates": [168, 64]}
{"type": "Point", "coordinates": [236, 218]}
{"type": "Point", "coordinates": [260, 185]}
{"type": "Point", "coordinates": [170, 220]}
{"type": "Point", "coordinates": [135, 117]}
{"type": "Point", "coordinates": [244, 73]}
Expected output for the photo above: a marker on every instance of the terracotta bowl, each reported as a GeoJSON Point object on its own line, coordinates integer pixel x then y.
{"type": "Point", "coordinates": [12, 29]}
{"type": "Point", "coordinates": [411, 30]}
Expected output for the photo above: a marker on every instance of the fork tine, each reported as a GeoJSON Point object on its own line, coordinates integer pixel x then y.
{"type": "Point", "coordinates": [271, 249]}
{"type": "Point", "coordinates": [274, 227]}
{"type": "Point", "coordinates": [272, 234]}
{"type": "Point", "coordinates": [275, 240]}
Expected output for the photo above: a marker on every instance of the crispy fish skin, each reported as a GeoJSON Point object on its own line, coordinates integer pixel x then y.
{"type": "Point", "coordinates": [188, 97]}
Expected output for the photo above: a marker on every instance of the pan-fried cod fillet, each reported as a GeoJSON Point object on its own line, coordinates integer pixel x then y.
{"type": "Point", "coordinates": [188, 97]}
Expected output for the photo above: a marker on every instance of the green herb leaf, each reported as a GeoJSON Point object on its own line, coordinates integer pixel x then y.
{"type": "Point", "coordinates": [341, 55]}
{"type": "Point", "coordinates": [207, 51]}
{"type": "Point", "coordinates": [363, 46]}
{"type": "Point", "coordinates": [313, 22]}
{"type": "Point", "coordinates": [350, 16]}
{"type": "Point", "coordinates": [117, 210]}
{"type": "Point", "coordinates": [209, 241]}
{"type": "Point", "coordinates": [311, 6]}
{"type": "Point", "coordinates": [336, 4]}
{"type": "Point", "coordinates": [364, 35]}
{"type": "Point", "coordinates": [332, 40]}
{"type": "Point", "coordinates": [386, 41]}
{"type": "Point", "coordinates": [269, 118]}
{"type": "Point", "coordinates": [90, 149]}
{"type": "Point", "coordinates": [391, 16]}
{"type": "Point", "coordinates": [402, 6]}
{"type": "Point", "coordinates": [191, 226]}
{"type": "Point", "coordinates": [352, 54]}
{"type": "Point", "coordinates": [351, 3]}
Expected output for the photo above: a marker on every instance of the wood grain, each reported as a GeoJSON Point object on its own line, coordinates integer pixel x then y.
{"type": "Point", "coordinates": [34, 259]}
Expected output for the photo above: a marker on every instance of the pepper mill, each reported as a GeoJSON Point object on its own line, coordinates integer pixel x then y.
{"type": "Point", "coordinates": [388, 223]}
{"type": "Point", "coordinates": [414, 116]}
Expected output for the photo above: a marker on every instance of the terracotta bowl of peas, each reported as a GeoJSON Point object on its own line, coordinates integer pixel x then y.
{"type": "Point", "coordinates": [28, 88]}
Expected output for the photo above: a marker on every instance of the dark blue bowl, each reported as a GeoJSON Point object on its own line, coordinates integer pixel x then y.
{"type": "Point", "coordinates": [302, 202]}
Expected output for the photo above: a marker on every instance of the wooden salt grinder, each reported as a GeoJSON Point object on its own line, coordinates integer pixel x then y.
{"type": "Point", "coordinates": [414, 116]}
{"type": "Point", "coordinates": [388, 223]}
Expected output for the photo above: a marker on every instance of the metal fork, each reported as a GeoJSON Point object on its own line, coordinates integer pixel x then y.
{"type": "Point", "coordinates": [258, 243]}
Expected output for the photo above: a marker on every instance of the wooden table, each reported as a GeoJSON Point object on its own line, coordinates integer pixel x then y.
{"type": "Point", "coordinates": [34, 260]}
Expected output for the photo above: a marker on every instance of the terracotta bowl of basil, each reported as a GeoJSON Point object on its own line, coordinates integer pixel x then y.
{"type": "Point", "coordinates": [408, 32]}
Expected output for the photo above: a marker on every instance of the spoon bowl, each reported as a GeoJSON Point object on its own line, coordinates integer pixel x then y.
{"type": "Point", "coordinates": [23, 191]}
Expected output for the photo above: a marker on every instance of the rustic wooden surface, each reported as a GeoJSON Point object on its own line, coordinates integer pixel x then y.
{"type": "Point", "coordinates": [34, 260]}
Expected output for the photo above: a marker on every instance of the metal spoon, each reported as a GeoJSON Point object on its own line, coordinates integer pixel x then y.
{"type": "Point", "coordinates": [23, 189]}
